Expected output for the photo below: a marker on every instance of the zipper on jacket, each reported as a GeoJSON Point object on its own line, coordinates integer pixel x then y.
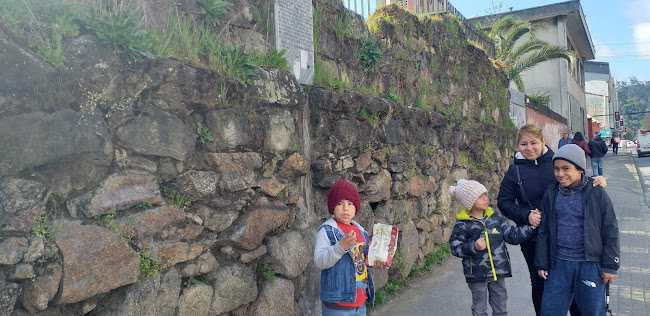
{"type": "Point", "coordinates": [487, 242]}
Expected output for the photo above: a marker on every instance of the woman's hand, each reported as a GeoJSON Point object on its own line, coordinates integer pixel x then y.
{"type": "Point", "coordinates": [608, 277]}
{"type": "Point", "coordinates": [534, 218]}
{"type": "Point", "coordinates": [542, 274]}
{"type": "Point", "coordinates": [600, 181]}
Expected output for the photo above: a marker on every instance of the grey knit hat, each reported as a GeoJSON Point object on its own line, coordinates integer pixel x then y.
{"type": "Point", "coordinates": [573, 154]}
{"type": "Point", "coordinates": [466, 192]}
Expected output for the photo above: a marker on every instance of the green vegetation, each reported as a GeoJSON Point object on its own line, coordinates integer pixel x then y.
{"type": "Point", "coordinates": [118, 25]}
{"type": "Point", "coordinates": [172, 197]}
{"type": "Point", "coordinates": [149, 264]}
{"type": "Point", "coordinates": [325, 78]}
{"type": "Point", "coordinates": [40, 227]}
{"type": "Point", "coordinates": [273, 59]}
{"type": "Point", "coordinates": [343, 27]}
{"type": "Point", "coordinates": [192, 280]}
{"type": "Point", "coordinates": [373, 119]}
{"type": "Point", "coordinates": [213, 10]}
{"type": "Point", "coordinates": [370, 55]}
{"type": "Point", "coordinates": [634, 97]}
{"type": "Point", "coordinates": [515, 56]}
{"type": "Point", "coordinates": [433, 258]}
{"type": "Point", "coordinates": [108, 221]}
{"type": "Point", "coordinates": [264, 273]}
{"type": "Point", "coordinates": [203, 133]}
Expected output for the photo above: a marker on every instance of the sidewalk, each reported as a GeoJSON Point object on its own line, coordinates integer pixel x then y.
{"type": "Point", "coordinates": [444, 291]}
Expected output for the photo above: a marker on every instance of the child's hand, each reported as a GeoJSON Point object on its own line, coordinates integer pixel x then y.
{"type": "Point", "coordinates": [348, 240]}
{"type": "Point", "coordinates": [608, 277]}
{"type": "Point", "coordinates": [542, 274]}
{"type": "Point", "coordinates": [378, 264]}
{"type": "Point", "coordinates": [480, 244]}
{"type": "Point", "coordinates": [534, 218]}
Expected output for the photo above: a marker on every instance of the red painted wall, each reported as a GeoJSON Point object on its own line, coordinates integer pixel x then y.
{"type": "Point", "coordinates": [551, 128]}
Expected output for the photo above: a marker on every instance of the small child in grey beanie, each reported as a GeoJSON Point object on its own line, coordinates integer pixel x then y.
{"type": "Point", "coordinates": [479, 238]}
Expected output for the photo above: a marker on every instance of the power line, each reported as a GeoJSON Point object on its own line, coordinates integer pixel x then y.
{"type": "Point", "coordinates": [615, 44]}
{"type": "Point", "coordinates": [621, 114]}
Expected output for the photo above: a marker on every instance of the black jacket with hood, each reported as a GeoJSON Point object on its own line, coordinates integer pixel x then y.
{"type": "Point", "coordinates": [598, 147]}
{"type": "Point", "coordinates": [601, 242]}
{"type": "Point", "coordinates": [536, 176]}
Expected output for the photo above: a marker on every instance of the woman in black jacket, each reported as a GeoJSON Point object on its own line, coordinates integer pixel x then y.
{"type": "Point", "coordinates": [521, 193]}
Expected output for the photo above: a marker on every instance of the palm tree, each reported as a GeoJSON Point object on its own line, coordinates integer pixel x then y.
{"type": "Point", "coordinates": [515, 56]}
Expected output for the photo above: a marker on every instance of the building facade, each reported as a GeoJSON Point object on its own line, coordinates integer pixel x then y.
{"type": "Point", "coordinates": [600, 94]}
{"type": "Point", "coordinates": [561, 24]}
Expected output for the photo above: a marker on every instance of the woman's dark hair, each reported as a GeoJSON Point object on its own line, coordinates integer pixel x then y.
{"type": "Point", "coordinates": [578, 136]}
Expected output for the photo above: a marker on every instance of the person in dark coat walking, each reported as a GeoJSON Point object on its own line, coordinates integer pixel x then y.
{"type": "Point", "coordinates": [579, 140]}
{"type": "Point", "coordinates": [614, 144]}
{"type": "Point", "coordinates": [598, 150]}
{"type": "Point", "coordinates": [533, 168]}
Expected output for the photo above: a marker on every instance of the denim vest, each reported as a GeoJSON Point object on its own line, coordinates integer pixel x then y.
{"type": "Point", "coordinates": [339, 283]}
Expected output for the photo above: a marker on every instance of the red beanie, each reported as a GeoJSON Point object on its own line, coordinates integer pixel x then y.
{"type": "Point", "coordinates": [343, 190]}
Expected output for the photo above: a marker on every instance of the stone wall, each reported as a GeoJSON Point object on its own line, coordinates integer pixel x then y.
{"type": "Point", "coordinates": [114, 200]}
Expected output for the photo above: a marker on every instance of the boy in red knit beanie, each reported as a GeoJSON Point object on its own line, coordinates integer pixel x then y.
{"type": "Point", "coordinates": [340, 252]}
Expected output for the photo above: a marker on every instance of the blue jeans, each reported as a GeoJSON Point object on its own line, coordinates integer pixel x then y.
{"type": "Point", "coordinates": [569, 279]}
{"type": "Point", "coordinates": [597, 166]}
{"type": "Point", "coordinates": [359, 311]}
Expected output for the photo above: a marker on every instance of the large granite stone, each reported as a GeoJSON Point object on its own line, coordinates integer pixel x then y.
{"type": "Point", "coordinates": [250, 229]}
{"type": "Point", "coordinates": [35, 139]}
{"type": "Point", "coordinates": [155, 132]}
{"type": "Point", "coordinates": [119, 191]}
{"type": "Point", "coordinates": [145, 225]}
{"type": "Point", "coordinates": [234, 285]}
{"type": "Point", "coordinates": [195, 300]}
{"type": "Point", "coordinates": [238, 170]}
{"type": "Point", "coordinates": [39, 292]}
{"type": "Point", "coordinates": [276, 299]}
{"type": "Point", "coordinates": [20, 202]}
{"type": "Point", "coordinates": [94, 260]}
{"type": "Point", "coordinates": [288, 252]}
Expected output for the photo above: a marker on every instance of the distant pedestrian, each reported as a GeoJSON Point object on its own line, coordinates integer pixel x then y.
{"type": "Point", "coordinates": [579, 140]}
{"type": "Point", "coordinates": [565, 140]}
{"type": "Point", "coordinates": [598, 150]}
{"type": "Point", "coordinates": [479, 237]}
{"type": "Point", "coordinates": [577, 242]}
{"type": "Point", "coordinates": [340, 252]}
{"type": "Point", "coordinates": [614, 142]}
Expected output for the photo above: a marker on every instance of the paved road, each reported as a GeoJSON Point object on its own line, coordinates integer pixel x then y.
{"type": "Point", "coordinates": [444, 291]}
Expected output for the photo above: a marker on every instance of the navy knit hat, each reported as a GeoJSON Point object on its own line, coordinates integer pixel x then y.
{"type": "Point", "coordinates": [573, 154]}
{"type": "Point", "coordinates": [343, 190]}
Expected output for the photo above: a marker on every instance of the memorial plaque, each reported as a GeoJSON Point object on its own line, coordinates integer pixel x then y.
{"type": "Point", "coordinates": [294, 32]}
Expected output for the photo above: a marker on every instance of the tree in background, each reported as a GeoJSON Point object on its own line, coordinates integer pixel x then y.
{"type": "Point", "coordinates": [515, 53]}
{"type": "Point", "coordinates": [634, 97]}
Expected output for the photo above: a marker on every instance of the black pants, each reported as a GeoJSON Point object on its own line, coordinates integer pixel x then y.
{"type": "Point", "coordinates": [536, 282]}
{"type": "Point", "coordinates": [615, 149]}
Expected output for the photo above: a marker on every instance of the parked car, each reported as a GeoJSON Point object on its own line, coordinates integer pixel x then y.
{"type": "Point", "coordinates": [626, 143]}
{"type": "Point", "coordinates": [642, 142]}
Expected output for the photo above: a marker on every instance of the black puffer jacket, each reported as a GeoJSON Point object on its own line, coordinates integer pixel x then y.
{"type": "Point", "coordinates": [493, 262]}
{"type": "Point", "coordinates": [601, 241]}
{"type": "Point", "coordinates": [598, 147]}
{"type": "Point", "coordinates": [536, 175]}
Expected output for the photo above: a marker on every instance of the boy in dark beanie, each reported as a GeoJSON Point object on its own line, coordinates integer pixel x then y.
{"type": "Point", "coordinates": [577, 242]}
{"type": "Point", "coordinates": [340, 252]}
{"type": "Point", "coordinates": [479, 237]}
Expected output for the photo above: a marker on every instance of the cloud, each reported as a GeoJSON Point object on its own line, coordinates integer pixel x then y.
{"type": "Point", "coordinates": [641, 33]}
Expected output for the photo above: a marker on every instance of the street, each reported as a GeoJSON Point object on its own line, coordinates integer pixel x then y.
{"type": "Point", "coordinates": [444, 291]}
